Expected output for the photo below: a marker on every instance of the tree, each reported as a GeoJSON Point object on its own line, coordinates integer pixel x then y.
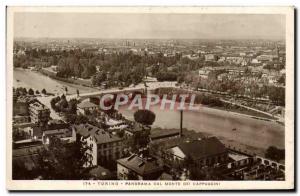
{"type": "Point", "coordinates": [37, 92]}
{"type": "Point", "coordinates": [44, 91]}
{"type": "Point", "coordinates": [166, 76]}
{"type": "Point", "coordinates": [30, 92]}
{"type": "Point", "coordinates": [188, 162]}
{"type": "Point", "coordinates": [75, 119]}
{"type": "Point", "coordinates": [197, 173]}
{"type": "Point", "coordinates": [145, 117]}
{"type": "Point", "coordinates": [21, 91]}
{"type": "Point", "coordinates": [63, 161]}
{"type": "Point", "coordinates": [275, 154]}
{"type": "Point", "coordinates": [121, 133]}
{"type": "Point", "coordinates": [140, 139]}
{"type": "Point", "coordinates": [63, 96]}
{"type": "Point", "coordinates": [77, 91]}
{"type": "Point", "coordinates": [98, 79]}
{"type": "Point", "coordinates": [131, 175]}
{"type": "Point", "coordinates": [66, 89]}
{"type": "Point", "coordinates": [72, 106]}
{"type": "Point", "coordinates": [53, 102]}
{"type": "Point", "coordinates": [62, 105]}
{"type": "Point", "coordinates": [277, 95]}
{"type": "Point", "coordinates": [281, 80]}
{"type": "Point", "coordinates": [21, 172]}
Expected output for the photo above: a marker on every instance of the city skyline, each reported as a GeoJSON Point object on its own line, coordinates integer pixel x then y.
{"type": "Point", "coordinates": [149, 26]}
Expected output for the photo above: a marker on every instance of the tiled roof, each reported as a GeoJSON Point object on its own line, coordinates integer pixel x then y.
{"type": "Point", "coordinates": [86, 104]}
{"type": "Point", "coordinates": [203, 148]}
{"type": "Point", "coordinates": [142, 166]}
{"type": "Point", "coordinates": [99, 135]}
{"type": "Point", "coordinates": [65, 132]}
{"type": "Point", "coordinates": [38, 106]}
{"type": "Point", "coordinates": [26, 99]}
{"type": "Point", "coordinates": [164, 134]}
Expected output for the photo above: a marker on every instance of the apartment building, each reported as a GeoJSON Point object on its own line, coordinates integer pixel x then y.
{"type": "Point", "coordinates": [103, 146]}
{"type": "Point", "coordinates": [39, 113]}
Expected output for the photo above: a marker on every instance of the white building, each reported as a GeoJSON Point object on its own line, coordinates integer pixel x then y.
{"type": "Point", "coordinates": [210, 57]}
{"type": "Point", "coordinates": [103, 146]}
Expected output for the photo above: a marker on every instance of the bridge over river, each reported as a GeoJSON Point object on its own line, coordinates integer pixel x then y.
{"type": "Point", "coordinates": [250, 133]}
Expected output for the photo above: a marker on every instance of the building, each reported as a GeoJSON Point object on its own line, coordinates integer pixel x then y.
{"type": "Point", "coordinates": [39, 113]}
{"type": "Point", "coordinates": [86, 106]}
{"type": "Point", "coordinates": [158, 136]}
{"type": "Point", "coordinates": [138, 167]}
{"type": "Point", "coordinates": [204, 152]}
{"type": "Point", "coordinates": [54, 128]}
{"type": "Point", "coordinates": [241, 166]}
{"type": "Point", "coordinates": [104, 147]}
{"type": "Point", "coordinates": [210, 57]}
{"type": "Point", "coordinates": [18, 119]}
{"type": "Point", "coordinates": [21, 105]}
{"type": "Point", "coordinates": [67, 135]}
{"type": "Point", "coordinates": [134, 128]}
{"type": "Point", "coordinates": [203, 73]}
{"type": "Point", "coordinates": [235, 60]}
{"type": "Point", "coordinates": [265, 58]}
{"type": "Point", "coordinates": [100, 173]}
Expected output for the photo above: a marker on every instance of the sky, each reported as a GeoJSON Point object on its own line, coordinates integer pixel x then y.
{"type": "Point", "coordinates": [149, 26]}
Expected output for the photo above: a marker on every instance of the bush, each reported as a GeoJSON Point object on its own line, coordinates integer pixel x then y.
{"type": "Point", "coordinates": [275, 154]}
{"type": "Point", "coordinates": [44, 91]}
{"type": "Point", "coordinates": [30, 92]}
{"type": "Point", "coordinates": [145, 117]}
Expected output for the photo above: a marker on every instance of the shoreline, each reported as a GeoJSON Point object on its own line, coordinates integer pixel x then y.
{"type": "Point", "coordinates": [223, 113]}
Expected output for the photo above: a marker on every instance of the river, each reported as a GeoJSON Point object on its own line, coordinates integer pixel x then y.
{"type": "Point", "coordinates": [37, 81]}
{"type": "Point", "coordinates": [250, 133]}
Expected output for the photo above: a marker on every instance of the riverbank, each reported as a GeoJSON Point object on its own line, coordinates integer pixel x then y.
{"type": "Point", "coordinates": [52, 74]}
{"type": "Point", "coordinates": [247, 131]}
{"type": "Point", "coordinates": [37, 81]}
{"type": "Point", "coordinates": [85, 87]}
{"type": "Point", "coordinates": [250, 132]}
{"type": "Point", "coordinates": [214, 102]}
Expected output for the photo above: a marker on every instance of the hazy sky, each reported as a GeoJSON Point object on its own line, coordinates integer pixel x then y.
{"type": "Point", "coordinates": [198, 26]}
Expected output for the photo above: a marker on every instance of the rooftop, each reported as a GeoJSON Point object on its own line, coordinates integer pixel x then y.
{"type": "Point", "coordinates": [65, 132]}
{"type": "Point", "coordinates": [100, 173]}
{"type": "Point", "coordinates": [38, 106]}
{"type": "Point", "coordinates": [141, 165]}
{"type": "Point", "coordinates": [164, 134]}
{"type": "Point", "coordinates": [198, 149]}
{"type": "Point", "coordinates": [26, 99]}
{"type": "Point", "coordinates": [86, 104]}
{"type": "Point", "coordinates": [100, 136]}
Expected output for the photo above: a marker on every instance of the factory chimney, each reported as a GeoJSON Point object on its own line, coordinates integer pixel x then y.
{"type": "Point", "coordinates": [181, 119]}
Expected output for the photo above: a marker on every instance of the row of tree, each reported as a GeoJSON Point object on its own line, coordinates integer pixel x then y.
{"type": "Point", "coordinates": [23, 91]}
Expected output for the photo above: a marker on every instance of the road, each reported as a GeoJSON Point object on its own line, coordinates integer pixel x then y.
{"type": "Point", "coordinates": [141, 86]}
{"type": "Point", "coordinates": [46, 101]}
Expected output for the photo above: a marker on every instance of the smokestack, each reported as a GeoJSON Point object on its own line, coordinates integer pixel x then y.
{"type": "Point", "coordinates": [181, 118]}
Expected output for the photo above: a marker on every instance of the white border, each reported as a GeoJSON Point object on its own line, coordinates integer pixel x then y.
{"type": "Point", "coordinates": [224, 185]}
